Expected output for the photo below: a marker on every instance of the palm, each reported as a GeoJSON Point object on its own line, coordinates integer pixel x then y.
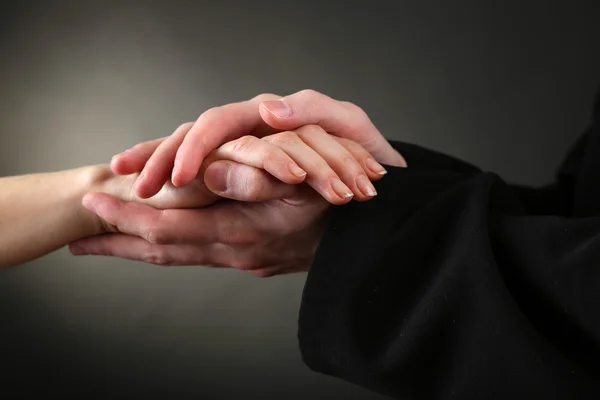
{"type": "Point", "coordinates": [277, 236]}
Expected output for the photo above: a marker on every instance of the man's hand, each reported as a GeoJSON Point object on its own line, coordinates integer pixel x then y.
{"type": "Point", "coordinates": [277, 236]}
{"type": "Point", "coordinates": [185, 150]}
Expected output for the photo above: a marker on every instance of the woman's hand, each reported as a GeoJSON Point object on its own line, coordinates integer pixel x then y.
{"type": "Point", "coordinates": [334, 167]}
{"type": "Point", "coordinates": [178, 158]}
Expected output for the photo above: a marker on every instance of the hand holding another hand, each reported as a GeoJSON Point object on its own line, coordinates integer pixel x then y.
{"type": "Point", "coordinates": [274, 228]}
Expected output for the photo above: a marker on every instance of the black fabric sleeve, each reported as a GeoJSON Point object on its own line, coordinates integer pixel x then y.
{"type": "Point", "coordinates": [453, 284]}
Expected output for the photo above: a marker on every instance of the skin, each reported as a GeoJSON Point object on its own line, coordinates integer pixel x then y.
{"type": "Point", "coordinates": [28, 230]}
{"type": "Point", "coordinates": [178, 158]}
{"type": "Point", "coordinates": [277, 236]}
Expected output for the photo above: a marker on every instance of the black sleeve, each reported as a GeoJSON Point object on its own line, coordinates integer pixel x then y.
{"type": "Point", "coordinates": [453, 284]}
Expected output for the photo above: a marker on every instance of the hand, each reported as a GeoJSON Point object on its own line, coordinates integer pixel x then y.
{"type": "Point", "coordinates": [185, 150]}
{"type": "Point", "coordinates": [284, 154]}
{"type": "Point", "coordinates": [277, 236]}
{"type": "Point", "coordinates": [271, 238]}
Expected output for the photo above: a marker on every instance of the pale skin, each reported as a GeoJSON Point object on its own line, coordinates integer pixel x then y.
{"type": "Point", "coordinates": [28, 231]}
{"type": "Point", "coordinates": [179, 157]}
{"type": "Point", "coordinates": [272, 229]}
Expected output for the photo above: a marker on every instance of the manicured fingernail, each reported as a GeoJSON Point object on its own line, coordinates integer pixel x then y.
{"type": "Point", "coordinates": [278, 108]}
{"type": "Point", "coordinates": [296, 170]}
{"type": "Point", "coordinates": [341, 189]}
{"type": "Point", "coordinates": [365, 186]}
{"type": "Point", "coordinates": [375, 166]}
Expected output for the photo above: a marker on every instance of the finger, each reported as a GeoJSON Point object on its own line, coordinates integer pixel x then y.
{"type": "Point", "coordinates": [214, 128]}
{"type": "Point", "coordinates": [215, 224]}
{"type": "Point", "coordinates": [138, 249]}
{"type": "Point", "coordinates": [134, 159]}
{"type": "Point", "coordinates": [244, 183]}
{"type": "Point", "coordinates": [374, 170]}
{"type": "Point", "coordinates": [339, 118]}
{"type": "Point", "coordinates": [157, 170]}
{"type": "Point", "coordinates": [319, 174]}
{"type": "Point", "coordinates": [252, 151]}
{"type": "Point", "coordinates": [341, 161]}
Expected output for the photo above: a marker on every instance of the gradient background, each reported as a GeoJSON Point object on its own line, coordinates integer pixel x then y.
{"type": "Point", "coordinates": [506, 85]}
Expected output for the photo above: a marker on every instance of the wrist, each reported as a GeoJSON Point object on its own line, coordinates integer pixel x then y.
{"type": "Point", "coordinates": [90, 179]}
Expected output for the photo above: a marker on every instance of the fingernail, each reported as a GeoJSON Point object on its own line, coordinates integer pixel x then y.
{"type": "Point", "coordinates": [375, 166]}
{"type": "Point", "coordinates": [278, 108]}
{"type": "Point", "coordinates": [341, 189]}
{"type": "Point", "coordinates": [296, 170]}
{"type": "Point", "coordinates": [216, 177]}
{"type": "Point", "coordinates": [365, 186]}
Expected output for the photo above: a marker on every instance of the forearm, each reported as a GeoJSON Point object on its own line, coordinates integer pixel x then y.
{"type": "Point", "coordinates": [40, 213]}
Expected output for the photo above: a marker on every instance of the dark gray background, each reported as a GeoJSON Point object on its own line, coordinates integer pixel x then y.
{"type": "Point", "coordinates": [506, 85]}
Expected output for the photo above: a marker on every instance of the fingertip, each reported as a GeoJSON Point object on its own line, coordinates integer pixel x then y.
{"type": "Point", "coordinates": [143, 190]}
{"type": "Point", "coordinates": [186, 165]}
{"type": "Point", "coordinates": [95, 201]}
{"type": "Point", "coordinates": [375, 169]}
{"type": "Point", "coordinates": [180, 178]}
{"type": "Point", "coordinates": [118, 166]}
{"type": "Point", "coordinates": [88, 201]}
{"type": "Point", "coordinates": [339, 201]}
{"type": "Point", "coordinates": [299, 175]}
{"type": "Point", "coordinates": [123, 165]}
{"type": "Point", "coordinates": [335, 198]}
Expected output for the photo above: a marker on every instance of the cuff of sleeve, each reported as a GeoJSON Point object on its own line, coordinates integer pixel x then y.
{"type": "Point", "coordinates": [357, 235]}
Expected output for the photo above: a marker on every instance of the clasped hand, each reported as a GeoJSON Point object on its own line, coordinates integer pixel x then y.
{"type": "Point", "coordinates": [248, 185]}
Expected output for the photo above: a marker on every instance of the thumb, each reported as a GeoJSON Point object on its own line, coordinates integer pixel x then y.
{"type": "Point", "coordinates": [245, 183]}
{"type": "Point", "coordinates": [339, 118]}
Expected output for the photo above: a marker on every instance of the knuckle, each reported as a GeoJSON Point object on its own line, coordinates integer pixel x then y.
{"type": "Point", "coordinates": [156, 236]}
{"type": "Point", "coordinates": [243, 144]}
{"type": "Point", "coordinates": [284, 138]}
{"type": "Point", "coordinates": [349, 163]}
{"type": "Point", "coordinates": [155, 233]}
{"type": "Point", "coordinates": [309, 94]}
{"type": "Point", "coordinates": [309, 130]}
{"type": "Point", "coordinates": [354, 147]}
{"type": "Point", "coordinates": [359, 116]}
{"type": "Point", "coordinates": [353, 108]}
{"type": "Point", "coordinates": [211, 114]}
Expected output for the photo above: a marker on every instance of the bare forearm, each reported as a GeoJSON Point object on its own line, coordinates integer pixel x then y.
{"type": "Point", "coordinates": [41, 213]}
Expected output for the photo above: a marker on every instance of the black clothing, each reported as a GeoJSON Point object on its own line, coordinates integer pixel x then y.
{"type": "Point", "coordinates": [453, 284]}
